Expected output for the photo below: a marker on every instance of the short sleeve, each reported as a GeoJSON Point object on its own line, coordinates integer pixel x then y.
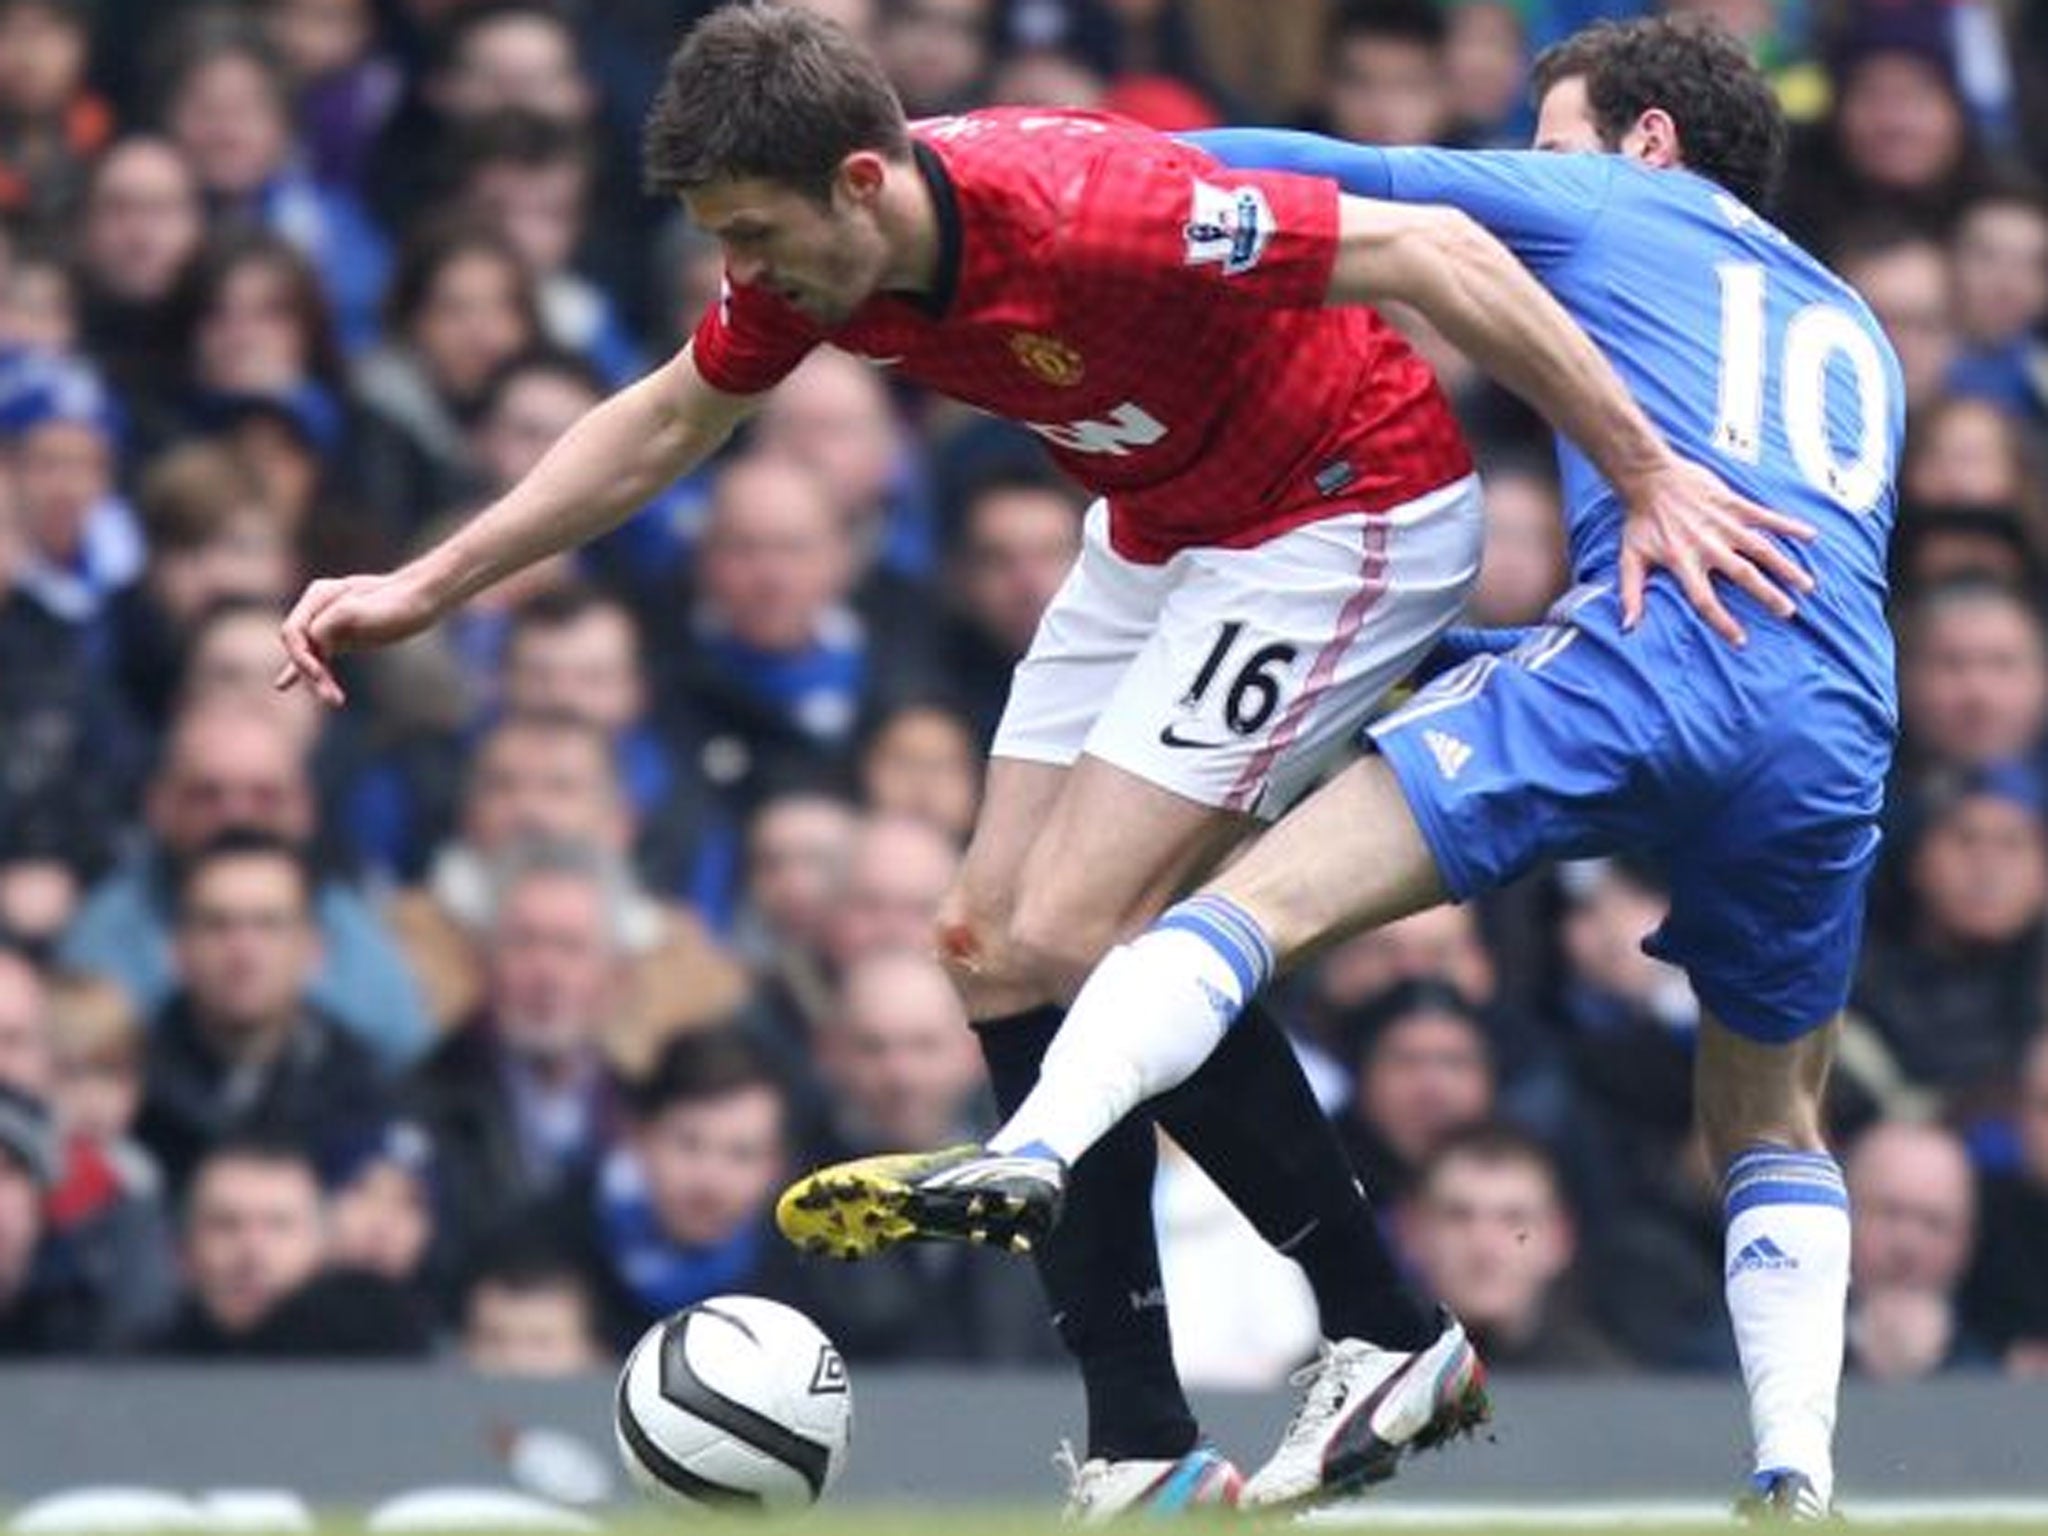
{"type": "Point", "coordinates": [749, 341]}
{"type": "Point", "coordinates": [1171, 219]}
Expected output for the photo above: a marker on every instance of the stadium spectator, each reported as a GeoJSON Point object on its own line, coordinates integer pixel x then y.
{"type": "Point", "coordinates": [227, 105]}
{"type": "Point", "coordinates": [1486, 72]}
{"type": "Point", "coordinates": [43, 1310]}
{"type": "Point", "coordinates": [2004, 1301]}
{"type": "Point", "coordinates": [797, 848]}
{"type": "Point", "coordinates": [1951, 983]}
{"type": "Point", "coordinates": [529, 1312]}
{"type": "Point", "coordinates": [140, 224]}
{"type": "Point", "coordinates": [901, 1070]}
{"type": "Point", "coordinates": [105, 1203]}
{"type": "Point", "coordinates": [461, 304]}
{"type": "Point", "coordinates": [214, 537]}
{"type": "Point", "coordinates": [554, 778]}
{"type": "Point", "coordinates": [1522, 571]}
{"type": "Point", "coordinates": [895, 875]}
{"type": "Point", "coordinates": [54, 124]}
{"type": "Point", "coordinates": [1017, 535]}
{"type": "Point", "coordinates": [1966, 452]}
{"type": "Point", "coordinates": [532, 178]}
{"type": "Point", "coordinates": [1388, 80]}
{"type": "Point", "coordinates": [237, 1048]}
{"type": "Point", "coordinates": [1973, 677]}
{"type": "Point", "coordinates": [1898, 138]}
{"type": "Point", "coordinates": [96, 1044]}
{"type": "Point", "coordinates": [1908, 281]}
{"type": "Point", "coordinates": [485, 58]}
{"type": "Point", "coordinates": [777, 659]}
{"type": "Point", "coordinates": [383, 1217]}
{"type": "Point", "coordinates": [937, 52]}
{"type": "Point", "coordinates": [921, 760]}
{"type": "Point", "coordinates": [59, 442]}
{"type": "Point", "coordinates": [833, 416]}
{"type": "Point", "coordinates": [1421, 1071]}
{"type": "Point", "coordinates": [39, 302]}
{"type": "Point", "coordinates": [680, 1209]}
{"type": "Point", "coordinates": [1492, 1237]}
{"type": "Point", "coordinates": [1915, 1199]}
{"type": "Point", "coordinates": [255, 1256]}
{"type": "Point", "coordinates": [520, 1099]}
{"type": "Point", "coordinates": [224, 768]}
{"type": "Point", "coordinates": [2000, 253]}
{"type": "Point", "coordinates": [232, 657]}
{"type": "Point", "coordinates": [344, 88]}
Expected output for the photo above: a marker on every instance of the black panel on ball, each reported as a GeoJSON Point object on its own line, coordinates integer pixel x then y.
{"type": "Point", "coordinates": [671, 1473]}
{"type": "Point", "coordinates": [681, 1385]}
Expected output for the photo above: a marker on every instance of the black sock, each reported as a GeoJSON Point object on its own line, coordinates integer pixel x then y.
{"type": "Point", "coordinates": [1100, 1266]}
{"type": "Point", "coordinates": [1250, 1119]}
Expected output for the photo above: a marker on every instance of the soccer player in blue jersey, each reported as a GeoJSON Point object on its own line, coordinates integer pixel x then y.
{"type": "Point", "coordinates": [1753, 774]}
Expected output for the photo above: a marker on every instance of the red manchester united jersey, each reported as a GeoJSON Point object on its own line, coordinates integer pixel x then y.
{"type": "Point", "coordinates": [1154, 316]}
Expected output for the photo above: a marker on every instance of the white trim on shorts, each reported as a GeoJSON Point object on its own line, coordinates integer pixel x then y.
{"type": "Point", "coordinates": [1336, 612]}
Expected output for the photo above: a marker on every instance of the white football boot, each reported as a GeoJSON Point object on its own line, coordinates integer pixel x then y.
{"type": "Point", "coordinates": [1100, 1491]}
{"type": "Point", "coordinates": [1362, 1409]}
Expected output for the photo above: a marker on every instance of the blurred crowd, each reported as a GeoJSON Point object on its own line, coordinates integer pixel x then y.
{"type": "Point", "coordinates": [487, 1014]}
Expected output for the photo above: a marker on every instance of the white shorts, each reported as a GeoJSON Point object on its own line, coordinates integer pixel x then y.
{"type": "Point", "coordinates": [1237, 677]}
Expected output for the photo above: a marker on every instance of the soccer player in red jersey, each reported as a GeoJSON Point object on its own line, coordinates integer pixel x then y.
{"type": "Point", "coordinates": [1287, 522]}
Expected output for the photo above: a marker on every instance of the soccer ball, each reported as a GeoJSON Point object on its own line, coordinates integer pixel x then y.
{"type": "Point", "coordinates": [737, 1403]}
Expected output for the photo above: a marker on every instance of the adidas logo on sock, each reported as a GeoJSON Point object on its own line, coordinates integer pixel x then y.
{"type": "Point", "coordinates": [1760, 1253]}
{"type": "Point", "coordinates": [1450, 753]}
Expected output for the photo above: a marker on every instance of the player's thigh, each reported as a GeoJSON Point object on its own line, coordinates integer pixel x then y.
{"type": "Point", "coordinates": [1265, 661]}
{"type": "Point", "coordinates": [1097, 623]}
{"type": "Point", "coordinates": [1349, 857]}
{"type": "Point", "coordinates": [1558, 749]}
{"type": "Point", "coordinates": [1112, 852]}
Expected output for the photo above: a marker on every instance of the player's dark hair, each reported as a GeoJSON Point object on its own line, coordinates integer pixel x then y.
{"type": "Point", "coordinates": [768, 91]}
{"type": "Point", "coordinates": [1730, 125]}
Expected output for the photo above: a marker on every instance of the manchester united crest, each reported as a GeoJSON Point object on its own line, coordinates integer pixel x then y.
{"type": "Point", "coordinates": [1048, 358]}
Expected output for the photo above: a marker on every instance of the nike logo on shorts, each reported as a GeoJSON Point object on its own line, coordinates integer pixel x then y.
{"type": "Point", "coordinates": [1170, 737]}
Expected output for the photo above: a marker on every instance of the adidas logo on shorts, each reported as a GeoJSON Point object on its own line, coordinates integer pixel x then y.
{"type": "Point", "coordinates": [1450, 753]}
{"type": "Point", "coordinates": [1760, 1253]}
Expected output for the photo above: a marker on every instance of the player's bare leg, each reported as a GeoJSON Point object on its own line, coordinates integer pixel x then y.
{"type": "Point", "coordinates": [1063, 864]}
{"type": "Point", "coordinates": [1787, 1252]}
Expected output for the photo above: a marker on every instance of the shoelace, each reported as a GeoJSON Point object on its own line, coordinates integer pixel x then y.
{"type": "Point", "coordinates": [1324, 1391]}
{"type": "Point", "coordinates": [1080, 1489]}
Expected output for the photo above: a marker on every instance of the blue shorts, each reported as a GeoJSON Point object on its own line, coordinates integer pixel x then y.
{"type": "Point", "coordinates": [1754, 778]}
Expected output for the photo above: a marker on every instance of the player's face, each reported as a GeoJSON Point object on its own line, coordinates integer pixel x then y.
{"type": "Point", "coordinates": [823, 258]}
{"type": "Point", "coordinates": [1564, 121]}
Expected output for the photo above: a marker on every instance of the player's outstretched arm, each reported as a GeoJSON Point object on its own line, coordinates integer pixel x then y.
{"type": "Point", "coordinates": [610, 463]}
{"type": "Point", "coordinates": [1681, 516]}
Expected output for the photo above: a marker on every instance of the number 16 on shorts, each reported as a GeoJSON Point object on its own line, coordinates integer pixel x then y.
{"type": "Point", "coordinates": [1250, 699]}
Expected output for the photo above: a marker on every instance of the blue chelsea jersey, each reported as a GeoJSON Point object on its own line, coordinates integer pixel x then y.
{"type": "Point", "coordinates": [1749, 355]}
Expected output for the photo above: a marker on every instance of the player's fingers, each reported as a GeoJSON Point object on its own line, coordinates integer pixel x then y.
{"type": "Point", "coordinates": [1776, 564]}
{"type": "Point", "coordinates": [1635, 575]}
{"type": "Point", "coordinates": [300, 646]}
{"type": "Point", "coordinates": [1778, 522]}
{"type": "Point", "coordinates": [1699, 591]}
{"type": "Point", "coordinates": [1747, 575]}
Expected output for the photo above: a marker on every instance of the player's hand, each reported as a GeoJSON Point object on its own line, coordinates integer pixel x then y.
{"type": "Point", "coordinates": [1682, 519]}
{"type": "Point", "coordinates": [349, 614]}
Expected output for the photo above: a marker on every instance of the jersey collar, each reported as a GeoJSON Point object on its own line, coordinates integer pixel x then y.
{"type": "Point", "coordinates": [936, 300]}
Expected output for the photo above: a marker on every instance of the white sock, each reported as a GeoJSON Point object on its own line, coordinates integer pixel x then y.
{"type": "Point", "coordinates": [1148, 1017]}
{"type": "Point", "coordinates": [1788, 1288]}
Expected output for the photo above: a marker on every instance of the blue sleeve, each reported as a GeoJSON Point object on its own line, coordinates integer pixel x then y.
{"type": "Point", "coordinates": [1538, 205]}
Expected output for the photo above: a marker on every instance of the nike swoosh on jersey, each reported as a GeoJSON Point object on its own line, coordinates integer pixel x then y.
{"type": "Point", "coordinates": [1169, 737]}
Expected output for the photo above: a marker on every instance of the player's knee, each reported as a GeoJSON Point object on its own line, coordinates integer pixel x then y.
{"type": "Point", "coordinates": [1055, 946]}
{"type": "Point", "coordinates": [1735, 1117]}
